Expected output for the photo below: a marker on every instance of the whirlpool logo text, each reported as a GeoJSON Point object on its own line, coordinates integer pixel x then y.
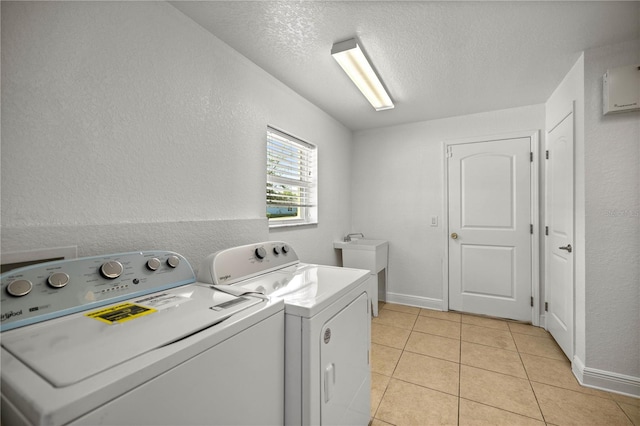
{"type": "Point", "coordinates": [5, 316]}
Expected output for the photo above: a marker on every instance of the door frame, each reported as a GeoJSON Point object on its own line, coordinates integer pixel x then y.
{"type": "Point", "coordinates": [534, 137]}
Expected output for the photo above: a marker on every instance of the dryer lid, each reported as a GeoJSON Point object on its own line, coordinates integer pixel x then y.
{"type": "Point", "coordinates": [307, 288]}
{"type": "Point", "coordinates": [67, 350]}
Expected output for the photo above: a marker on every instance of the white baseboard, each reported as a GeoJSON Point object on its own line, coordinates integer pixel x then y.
{"type": "Point", "coordinates": [605, 380]}
{"type": "Point", "coordinates": [418, 301]}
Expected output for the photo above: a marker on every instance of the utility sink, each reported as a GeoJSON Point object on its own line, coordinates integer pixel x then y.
{"type": "Point", "coordinates": [367, 254]}
{"type": "Point", "coordinates": [360, 244]}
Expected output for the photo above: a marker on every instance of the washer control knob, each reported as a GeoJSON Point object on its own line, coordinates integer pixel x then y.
{"type": "Point", "coordinates": [153, 264]}
{"type": "Point", "coordinates": [261, 253]}
{"type": "Point", "coordinates": [173, 261]}
{"type": "Point", "coordinates": [19, 288]}
{"type": "Point", "coordinates": [276, 250]}
{"type": "Point", "coordinates": [285, 249]}
{"type": "Point", "coordinates": [112, 269]}
{"type": "Point", "coordinates": [58, 280]}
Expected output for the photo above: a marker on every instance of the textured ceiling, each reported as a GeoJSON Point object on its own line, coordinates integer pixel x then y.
{"type": "Point", "coordinates": [438, 59]}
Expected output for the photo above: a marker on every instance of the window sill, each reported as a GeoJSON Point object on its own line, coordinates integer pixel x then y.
{"type": "Point", "coordinates": [291, 224]}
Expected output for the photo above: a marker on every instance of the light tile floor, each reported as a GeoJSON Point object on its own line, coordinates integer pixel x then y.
{"type": "Point", "coordinates": [447, 368]}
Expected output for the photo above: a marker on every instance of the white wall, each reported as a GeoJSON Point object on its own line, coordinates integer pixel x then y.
{"type": "Point", "coordinates": [397, 185]}
{"type": "Point", "coordinates": [612, 205]}
{"type": "Point", "coordinates": [129, 112]}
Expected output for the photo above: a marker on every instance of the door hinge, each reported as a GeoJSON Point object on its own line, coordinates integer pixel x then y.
{"type": "Point", "coordinates": [532, 229]}
{"type": "Point", "coordinates": [531, 157]}
{"type": "Point", "coordinates": [546, 230]}
{"type": "Point", "coordinates": [546, 306]}
{"type": "Point", "coordinates": [449, 153]}
{"type": "Point", "coordinates": [532, 301]}
{"type": "Point", "coordinates": [547, 154]}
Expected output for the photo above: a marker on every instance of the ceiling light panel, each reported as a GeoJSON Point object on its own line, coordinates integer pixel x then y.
{"type": "Point", "coordinates": [354, 62]}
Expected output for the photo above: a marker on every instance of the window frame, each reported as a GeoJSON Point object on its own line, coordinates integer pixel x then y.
{"type": "Point", "coordinates": [305, 178]}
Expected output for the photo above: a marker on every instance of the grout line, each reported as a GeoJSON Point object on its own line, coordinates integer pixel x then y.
{"type": "Point", "coordinates": [459, 371]}
{"type": "Point", "coordinates": [529, 380]}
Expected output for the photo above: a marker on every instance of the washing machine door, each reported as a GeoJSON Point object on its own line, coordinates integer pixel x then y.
{"type": "Point", "coordinates": [346, 382]}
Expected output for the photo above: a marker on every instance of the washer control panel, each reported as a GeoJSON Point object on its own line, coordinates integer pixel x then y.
{"type": "Point", "coordinates": [238, 263]}
{"type": "Point", "coordinates": [49, 290]}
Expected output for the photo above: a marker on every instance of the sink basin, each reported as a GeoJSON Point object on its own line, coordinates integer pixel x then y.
{"type": "Point", "coordinates": [361, 244]}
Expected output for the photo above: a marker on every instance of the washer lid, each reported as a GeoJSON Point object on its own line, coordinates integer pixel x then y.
{"type": "Point", "coordinates": [67, 350]}
{"type": "Point", "coordinates": [307, 289]}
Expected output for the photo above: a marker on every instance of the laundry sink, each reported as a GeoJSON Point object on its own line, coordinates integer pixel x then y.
{"type": "Point", "coordinates": [368, 254]}
{"type": "Point", "coordinates": [360, 244]}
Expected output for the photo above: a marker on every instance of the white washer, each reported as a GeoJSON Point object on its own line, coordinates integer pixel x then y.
{"type": "Point", "coordinates": [327, 328]}
{"type": "Point", "coordinates": [131, 339]}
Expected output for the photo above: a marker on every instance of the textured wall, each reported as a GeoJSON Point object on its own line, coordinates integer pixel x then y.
{"type": "Point", "coordinates": [612, 189]}
{"type": "Point", "coordinates": [398, 185]}
{"type": "Point", "coordinates": [130, 112]}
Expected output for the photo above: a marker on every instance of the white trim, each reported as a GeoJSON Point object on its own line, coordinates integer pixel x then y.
{"type": "Point", "coordinates": [605, 380]}
{"type": "Point", "coordinates": [535, 220]}
{"type": "Point", "coordinates": [418, 301]}
{"type": "Point", "coordinates": [534, 138]}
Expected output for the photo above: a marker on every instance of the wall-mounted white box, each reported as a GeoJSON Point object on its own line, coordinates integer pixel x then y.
{"type": "Point", "coordinates": [621, 89]}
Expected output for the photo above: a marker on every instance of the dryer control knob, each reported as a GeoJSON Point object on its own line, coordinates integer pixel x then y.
{"type": "Point", "coordinates": [276, 250]}
{"type": "Point", "coordinates": [285, 249]}
{"type": "Point", "coordinates": [58, 280]}
{"type": "Point", "coordinates": [173, 261]}
{"type": "Point", "coordinates": [19, 288]}
{"type": "Point", "coordinates": [153, 264]}
{"type": "Point", "coordinates": [112, 269]}
{"type": "Point", "coordinates": [261, 253]}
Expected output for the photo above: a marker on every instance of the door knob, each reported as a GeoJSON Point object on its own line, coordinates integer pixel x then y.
{"type": "Point", "coordinates": [567, 248]}
{"type": "Point", "coordinates": [454, 236]}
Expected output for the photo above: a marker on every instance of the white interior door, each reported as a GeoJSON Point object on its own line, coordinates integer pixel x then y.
{"type": "Point", "coordinates": [559, 222]}
{"type": "Point", "coordinates": [489, 201]}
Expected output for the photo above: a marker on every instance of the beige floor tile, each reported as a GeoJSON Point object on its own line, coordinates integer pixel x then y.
{"type": "Point", "coordinates": [473, 413]}
{"type": "Point", "coordinates": [540, 346]}
{"type": "Point", "coordinates": [488, 336]}
{"type": "Point", "coordinates": [499, 390]}
{"type": "Point", "coordinates": [626, 399]}
{"type": "Point", "coordinates": [438, 327]}
{"type": "Point", "coordinates": [566, 407]}
{"type": "Point", "coordinates": [494, 359]}
{"type": "Point", "coordinates": [378, 386]}
{"type": "Point", "coordinates": [517, 327]}
{"type": "Point", "coordinates": [384, 359]}
{"type": "Point", "coordinates": [485, 322]}
{"type": "Point", "coordinates": [555, 372]}
{"type": "Point", "coordinates": [402, 308]}
{"type": "Point", "coordinates": [632, 411]}
{"type": "Point", "coordinates": [449, 316]}
{"type": "Point", "coordinates": [389, 336]}
{"type": "Point", "coordinates": [407, 404]}
{"type": "Point", "coordinates": [377, 422]}
{"type": "Point", "coordinates": [435, 346]}
{"type": "Point", "coordinates": [395, 319]}
{"type": "Point", "coordinates": [429, 372]}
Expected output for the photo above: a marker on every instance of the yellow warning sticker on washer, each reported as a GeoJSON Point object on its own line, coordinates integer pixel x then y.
{"type": "Point", "coordinates": [120, 313]}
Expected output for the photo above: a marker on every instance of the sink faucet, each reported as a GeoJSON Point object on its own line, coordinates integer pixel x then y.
{"type": "Point", "coordinates": [348, 237]}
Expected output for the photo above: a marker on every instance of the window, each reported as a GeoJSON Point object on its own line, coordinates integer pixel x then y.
{"type": "Point", "coordinates": [291, 180]}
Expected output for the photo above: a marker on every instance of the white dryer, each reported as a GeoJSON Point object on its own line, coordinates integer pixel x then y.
{"type": "Point", "coordinates": [132, 339]}
{"type": "Point", "coordinates": [327, 328]}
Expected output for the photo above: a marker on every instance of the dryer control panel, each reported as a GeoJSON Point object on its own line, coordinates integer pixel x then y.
{"type": "Point", "coordinates": [239, 263]}
{"type": "Point", "coordinates": [53, 289]}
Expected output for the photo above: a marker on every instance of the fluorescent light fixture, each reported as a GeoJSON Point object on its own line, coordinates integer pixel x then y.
{"type": "Point", "coordinates": [352, 60]}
